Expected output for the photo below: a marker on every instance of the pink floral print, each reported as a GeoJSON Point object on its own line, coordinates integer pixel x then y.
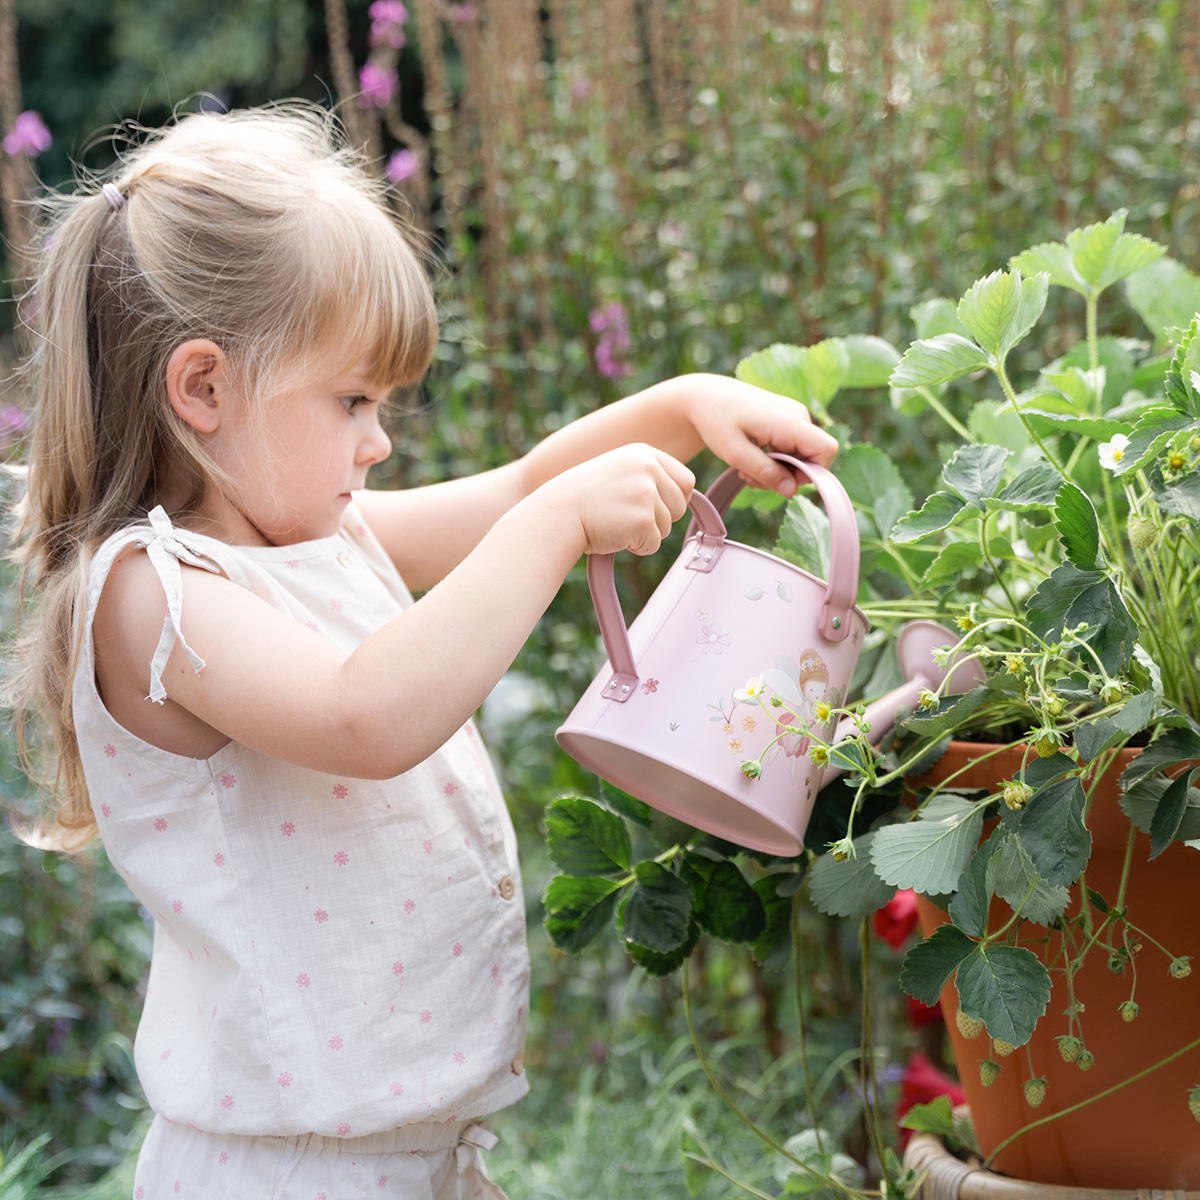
{"type": "Point", "coordinates": [110, 751]}
{"type": "Point", "coordinates": [343, 1129]}
{"type": "Point", "coordinates": [177, 907]}
{"type": "Point", "coordinates": [223, 1158]}
{"type": "Point", "coordinates": [397, 1089]}
{"type": "Point", "coordinates": [450, 789]}
{"type": "Point", "coordinates": [397, 968]}
{"type": "Point", "coordinates": [106, 810]}
{"type": "Point", "coordinates": [303, 980]}
{"type": "Point", "coordinates": [228, 780]}
{"type": "Point", "coordinates": [293, 565]}
{"type": "Point", "coordinates": [335, 1042]}
{"type": "Point", "coordinates": [341, 858]}
{"type": "Point", "coordinates": [426, 1016]}
{"type": "Point", "coordinates": [427, 846]}
{"type": "Point", "coordinates": [287, 828]}
{"type": "Point", "coordinates": [335, 604]}
{"type": "Point", "coordinates": [139, 1193]}
{"type": "Point", "coordinates": [410, 906]}
{"type": "Point", "coordinates": [651, 685]}
{"type": "Point", "coordinates": [285, 1078]}
{"type": "Point", "coordinates": [383, 1181]}
{"type": "Point", "coordinates": [219, 859]}
{"type": "Point", "coordinates": [457, 949]}
{"type": "Point", "coordinates": [160, 823]}
{"type": "Point", "coordinates": [459, 1057]}
{"type": "Point", "coordinates": [226, 1102]}
{"type": "Point", "coordinates": [340, 791]}
{"type": "Point", "coordinates": [320, 916]}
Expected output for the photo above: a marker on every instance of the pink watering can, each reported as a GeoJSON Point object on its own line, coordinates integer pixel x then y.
{"type": "Point", "coordinates": [689, 693]}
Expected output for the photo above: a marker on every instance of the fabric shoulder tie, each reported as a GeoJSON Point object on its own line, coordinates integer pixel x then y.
{"type": "Point", "coordinates": [166, 551]}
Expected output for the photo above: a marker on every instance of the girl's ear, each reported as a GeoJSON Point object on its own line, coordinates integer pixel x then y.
{"type": "Point", "coordinates": [198, 384]}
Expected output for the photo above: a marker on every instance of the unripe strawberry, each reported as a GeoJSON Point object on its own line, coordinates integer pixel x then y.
{"type": "Point", "coordinates": [1004, 1049]}
{"type": "Point", "coordinates": [989, 1068]}
{"type": "Point", "coordinates": [1035, 1092]}
{"type": "Point", "coordinates": [969, 1027]}
{"type": "Point", "coordinates": [1017, 795]}
{"type": "Point", "coordinates": [1069, 1048]}
{"type": "Point", "coordinates": [1129, 1010]}
{"type": "Point", "coordinates": [1181, 968]}
{"type": "Point", "coordinates": [1045, 745]}
{"type": "Point", "coordinates": [1085, 1060]}
{"type": "Point", "coordinates": [1112, 692]}
{"type": "Point", "coordinates": [1143, 533]}
{"type": "Point", "coordinates": [1194, 1101]}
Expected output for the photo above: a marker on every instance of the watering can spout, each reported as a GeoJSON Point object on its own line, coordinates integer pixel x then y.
{"type": "Point", "coordinates": [915, 645]}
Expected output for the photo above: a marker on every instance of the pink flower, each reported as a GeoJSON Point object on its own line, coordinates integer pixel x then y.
{"type": "Point", "coordinates": [612, 324]}
{"type": "Point", "coordinates": [459, 1057]}
{"type": "Point", "coordinates": [397, 1089]}
{"type": "Point", "coordinates": [651, 685]}
{"type": "Point", "coordinates": [397, 968]}
{"type": "Point", "coordinates": [177, 907]}
{"type": "Point", "coordinates": [387, 17]}
{"type": "Point", "coordinates": [226, 1102]}
{"type": "Point", "coordinates": [285, 1078]}
{"type": "Point", "coordinates": [106, 810]}
{"type": "Point", "coordinates": [410, 906]}
{"type": "Point", "coordinates": [457, 949]}
{"type": "Point", "coordinates": [340, 791]}
{"type": "Point", "coordinates": [302, 980]}
{"type": "Point", "coordinates": [160, 823]}
{"type": "Point", "coordinates": [29, 136]}
{"type": "Point", "coordinates": [427, 846]}
{"type": "Point", "coordinates": [228, 780]}
{"type": "Point", "coordinates": [713, 637]}
{"type": "Point", "coordinates": [402, 165]}
{"type": "Point", "coordinates": [320, 916]}
{"type": "Point", "coordinates": [378, 86]}
{"type": "Point", "coordinates": [219, 859]}
{"type": "Point", "coordinates": [897, 918]}
{"type": "Point", "coordinates": [343, 1129]}
{"type": "Point", "coordinates": [581, 87]}
{"type": "Point", "coordinates": [287, 829]}
{"type": "Point", "coordinates": [341, 858]}
{"type": "Point", "coordinates": [110, 751]}
{"type": "Point", "coordinates": [426, 1016]}
{"type": "Point", "coordinates": [335, 1042]}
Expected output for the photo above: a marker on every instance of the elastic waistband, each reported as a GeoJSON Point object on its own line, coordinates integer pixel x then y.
{"type": "Point", "coordinates": [443, 1135]}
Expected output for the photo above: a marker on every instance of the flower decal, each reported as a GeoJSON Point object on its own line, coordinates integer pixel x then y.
{"type": "Point", "coordinates": [651, 685]}
{"type": "Point", "coordinates": [713, 637]}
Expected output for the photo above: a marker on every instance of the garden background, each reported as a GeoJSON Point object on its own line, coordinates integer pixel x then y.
{"type": "Point", "coordinates": [619, 190]}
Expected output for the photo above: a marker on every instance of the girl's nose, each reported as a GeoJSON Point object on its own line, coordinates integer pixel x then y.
{"type": "Point", "coordinates": [375, 445]}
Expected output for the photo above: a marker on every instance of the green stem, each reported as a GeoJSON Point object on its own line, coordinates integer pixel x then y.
{"type": "Point", "coordinates": [869, 1083]}
{"type": "Point", "coordinates": [1008, 1141]}
{"type": "Point", "coordinates": [946, 415]}
{"type": "Point", "coordinates": [1012, 399]}
{"type": "Point", "coordinates": [987, 554]}
{"type": "Point", "coordinates": [809, 1094]}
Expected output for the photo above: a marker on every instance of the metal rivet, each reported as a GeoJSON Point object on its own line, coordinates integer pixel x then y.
{"type": "Point", "coordinates": [708, 558]}
{"type": "Point", "coordinates": [625, 687]}
{"type": "Point", "coordinates": [696, 554]}
{"type": "Point", "coordinates": [836, 622]}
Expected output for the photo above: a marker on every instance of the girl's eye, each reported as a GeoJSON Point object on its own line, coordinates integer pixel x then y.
{"type": "Point", "coordinates": [350, 403]}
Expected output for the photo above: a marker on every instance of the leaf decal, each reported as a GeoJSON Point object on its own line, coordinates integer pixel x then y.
{"type": "Point", "coordinates": [755, 594]}
{"type": "Point", "coordinates": [785, 591]}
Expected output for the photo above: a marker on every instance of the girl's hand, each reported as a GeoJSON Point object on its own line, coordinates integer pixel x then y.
{"type": "Point", "coordinates": [625, 499]}
{"type": "Point", "coordinates": [739, 422]}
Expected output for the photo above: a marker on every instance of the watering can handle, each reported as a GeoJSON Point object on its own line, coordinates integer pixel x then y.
{"type": "Point", "coordinates": [705, 539]}
{"type": "Point", "coordinates": [842, 589]}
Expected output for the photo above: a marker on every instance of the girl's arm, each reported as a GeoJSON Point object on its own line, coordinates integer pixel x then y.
{"type": "Point", "coordinates": [279, 688]}
{"type": "Point", "coordinates": [428, 531]}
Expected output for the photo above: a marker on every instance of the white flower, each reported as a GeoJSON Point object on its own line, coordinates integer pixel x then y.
{"type": "Point", "coordinates": [1112, 452]}
{"type": "Point", "coordinates": [753, 689]}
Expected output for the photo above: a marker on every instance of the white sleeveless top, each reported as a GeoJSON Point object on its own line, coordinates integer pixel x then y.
{"type": "Point", "coordinates": [332, 955]}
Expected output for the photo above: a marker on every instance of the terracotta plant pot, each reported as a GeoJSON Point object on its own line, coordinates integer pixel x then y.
{"type": "Point", "coordinates": [1144, 1135]}
{"type": "Point", "coordinates": [949, 1178]}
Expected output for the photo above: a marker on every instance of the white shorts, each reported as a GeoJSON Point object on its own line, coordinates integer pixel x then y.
{"type": "Point", "coordinates": [417, 1162]}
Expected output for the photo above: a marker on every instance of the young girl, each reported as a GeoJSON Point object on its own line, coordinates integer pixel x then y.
{"type": "Point", "coordinates": [272, 739]}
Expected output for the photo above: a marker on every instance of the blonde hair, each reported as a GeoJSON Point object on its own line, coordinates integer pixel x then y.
{"type": "Point", "coordinates": [260, 230]}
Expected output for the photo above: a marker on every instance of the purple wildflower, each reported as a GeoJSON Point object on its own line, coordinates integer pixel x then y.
{"type": "Point", "coordinates": [378, 85]}
{"type": "Point", "coordinates": [29, 136]}
{"type": "Point", "coordinates": [13, 423]}
{"type": "Point", "coordinates": [462, 13]}
{"type": "Point", "coordinates": [387, 20]}
{"type": "Point", "coordinates": [581, 87]}
{"type": "Point", "coordinates": [612, 324]}
{"type": "Point", "coordinates": [402, 165]}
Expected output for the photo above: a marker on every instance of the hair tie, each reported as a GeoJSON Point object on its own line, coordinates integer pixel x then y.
{"type": "Point", "coordinates": [113, 195]}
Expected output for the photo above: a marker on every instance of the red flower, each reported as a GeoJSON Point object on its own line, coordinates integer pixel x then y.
{"type": "Point", "coordinates": [897, 918]}
{"type": "Point", "coordinates": [923, 1083]}
{"type": "Point", "coordinates": [920, 1013]}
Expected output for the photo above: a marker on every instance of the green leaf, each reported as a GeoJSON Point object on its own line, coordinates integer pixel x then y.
{"type": "Point", "coordinates": [1034, 489]}
{"type": "Point", "coordinates": [578, 910]}
{"type": "Point", "coordinates": [931, 853]}
{"type": "Point", "coordinates": [1170, 748]}
{"type": "Point", "coordinates": [1055, 260]}
{"type": "Point", "coordinates": [951, 713]}
{"type": "Point", "coordinates": [584, 839]}
{"type": "Point", "coordinates": [657, 963]}
{"type": "Point", "coordinates": [969, 908]}
{"type": "Point", "coordinates": [928, 965]}
{"type": "Point", "coordinates": [989, 308]}
{"type": "Point", "coordinates": [1099, 428]}
{"type": "Point", "coordinates": [623, 804]}
{"type": "Point", "coordinates": [953, 562]}
{"type": "Point", "coordinates": [1166, 295]}
{"type": "Point", "coordinates": [804, 536]}
{"type": "Point", "coordinates": [1069, 597]}
{"type": "Point", "coordinates": [773, 947]}
{"type": "Point", "coordinates": [724, 902]}
{"type": "Point", "coordinates": [1165, 826]}
{"type": "Point", "coordinates": [1008, 987]}
{"type": "Point", "coordinates": [1103, 253]}
{"type": "Point", "coordinates": [1012, 875]}
{"type": "Point", "coordinates": [933, 317]}
{"type": "Point", "coordinates": [1078, 527]}
{"type": "Point", "coordinates": [657, 912]}
{"type": "Point", "coordinates": [696, 1166]}
{"type": "Point", "coordinates": [874, 484]}
{"type": "Point", "coordinates": [1152, 432]}
{"type": "Point", "coordinates": [974, 471]}
{"type": "Point", "coordinates": [1053, 834]}
{"type": "Point", "coordinates": [938, 360]}
{"type": "Point", "coordinates": [870, 361]}
{"type": "Point", "coordinates": [1077, 384]}
{"type": "Point", "coordinates": [850, 888]}
{"type": "Point", "coordinates": [779, 368]}
{"type": "Point", "coordinates": [940, 510]}
{"type": "Point", "coordinates": [1140, 805]}
{"type": "Point", "coordinates": [1180, 497]}
{"type": "Point", "coordinates": [935, 1117]}
{"type": "Point", "coordinates": [1181, 389]}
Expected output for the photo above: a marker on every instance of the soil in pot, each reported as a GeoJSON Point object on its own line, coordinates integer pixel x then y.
{"type": "Point", "coordinates": [1143, 1135]}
